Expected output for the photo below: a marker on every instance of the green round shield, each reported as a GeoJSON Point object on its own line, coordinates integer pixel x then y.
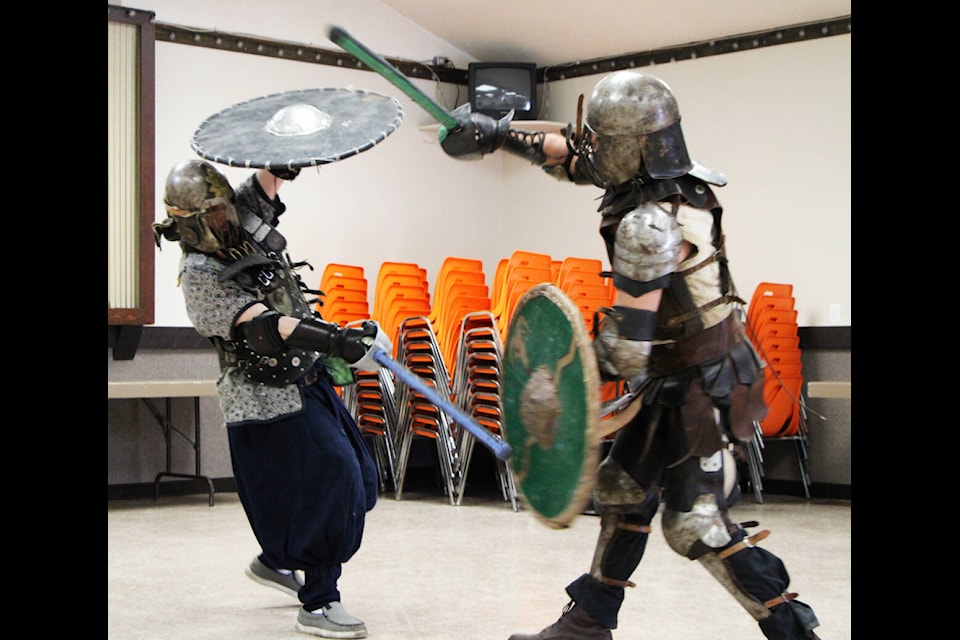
{"type": "Point", "coordinates": [551, 404]}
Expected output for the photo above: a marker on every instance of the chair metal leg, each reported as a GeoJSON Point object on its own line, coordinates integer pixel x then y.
{"type": "Point", "coordinates": [511, 486]}
{"type": "Point", "coordinates": [755, 463]}
{"type": "Point", "coordinates": [401, 468]}
{"type": "Point", "coordinates": [802, 462]}
{"type": "Point", "coordinates": [466, 454]}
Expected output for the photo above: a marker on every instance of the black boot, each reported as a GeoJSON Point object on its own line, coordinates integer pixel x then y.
{"type": "Point", "coordinates": [574, 624]}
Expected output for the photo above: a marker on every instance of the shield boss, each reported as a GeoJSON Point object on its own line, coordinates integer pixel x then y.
{"type": "Point", "coordinates": [297, 129]}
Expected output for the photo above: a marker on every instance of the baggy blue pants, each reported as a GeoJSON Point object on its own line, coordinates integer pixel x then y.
{"type": "Point", "coordinates": [306, 483]}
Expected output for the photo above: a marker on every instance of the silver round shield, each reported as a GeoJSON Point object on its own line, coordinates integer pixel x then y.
{"type": "Point", "coordinates": [297, 129]}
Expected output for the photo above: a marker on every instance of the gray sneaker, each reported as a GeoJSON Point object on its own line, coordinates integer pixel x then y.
{"type": "Point", "coordinates": [288, 583]}
{"type": "Point", "coordinates": [332, 622]}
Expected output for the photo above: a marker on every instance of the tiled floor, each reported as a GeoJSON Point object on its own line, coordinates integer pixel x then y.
{"type": "Point", "coordinates": [428, 570]}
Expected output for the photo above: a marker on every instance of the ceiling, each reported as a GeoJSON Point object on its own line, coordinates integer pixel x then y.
{"type": "Point", "coordinates": [498, 30]}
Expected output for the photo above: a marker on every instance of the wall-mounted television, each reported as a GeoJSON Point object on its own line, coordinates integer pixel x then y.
{"type": "Point", "coordinates": [495, 88]}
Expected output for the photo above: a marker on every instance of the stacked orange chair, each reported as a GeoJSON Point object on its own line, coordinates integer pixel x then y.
{"type": "Point", "coordinates": [515, 276]}
{"type": "Point", "coordinates": [460, 288]}
{"type": "Point", "coordinates": [772, 327]}
{"type": "Point", "coordinates": [345, 294]}
{"type": "Point", "coordinates": [583, 281]}
{"type": "Point", "coordinates": [372, 404]}
{"type": "Point", "coordinates": [402, 306]}
{"type": "Point", "coordinates": [470, 340]}
{"type": "Point", "coordinates": [402, 291]}
{"type": "Point", "coordinates": [417, 415]}
{"type": "Point", "coordinates": [477, 389]}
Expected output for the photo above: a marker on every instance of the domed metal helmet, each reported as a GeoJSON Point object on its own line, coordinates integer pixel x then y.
{"type": "Point", "coordinates": [633, 123]}
{"type": "Point", "coordinates": [200, 201]}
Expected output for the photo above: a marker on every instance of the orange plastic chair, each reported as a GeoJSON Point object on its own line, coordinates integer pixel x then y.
{"type": "Point", "coordinates": [498, 277]}
{"type": "Point", "coordinates": [352, 283]}
{"type": "Point", "coordinates": [456, 309]}
{"type": "Point", "coordinates": [345, 311]}
{"type": "Point", "coordinates": [457, 296]}
{"type": "Point", "coordinates": [517, 289]}
{"type": "Point", "coordinates": [529, 273]}
{"type": "Point", "coordinates": [782, 395]}
{"type": "Point", "coordinates": [338, 277]}
{"type": "Point", "coordinates": [773, 343]}
{"type": "Point", "coordinates": [396, 284]}
{"type": "Point", "coordinates": [455, 264]}
{"type": "Point", "coordinates": [336, 270]}
{"type": "Point", "coordinates": [506, 266]}
{"type": "Point", "coordinates": [408, 272]}
{"type": "Point", "coordinates": [574, 264]}
{"type": "Point", "coordinates": [775, 316]}
{"type": "Point", "coordinates": [762, 303]}
{"type": "Point", "coordinates": [342, 295]}
{"type": "Point", "coordinates": [455, 283]}
{"type": "Point", "coordinates": [398, 312]}
{"type": "Point", "coordinates": [772, 326]}
{"type": "Point", "coordinates": [771, 289]}
{"type": "Point", "coordinates": [530, 259]}
{"type": "Point", "coordinates": [769, 295]}
{"type": "Point", "coordinates": [555, 269]}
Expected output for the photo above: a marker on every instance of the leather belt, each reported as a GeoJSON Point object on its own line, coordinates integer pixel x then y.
{"type": "Point", "coordinates": [744, 544]}
{"type": "Point", "coordinates": [682, 353]}
{"type": "Point", "coordinates": [784, 597]}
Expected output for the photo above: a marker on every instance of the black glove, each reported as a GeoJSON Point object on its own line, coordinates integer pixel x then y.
{"type": "Point", "coordinates": [350, 343]}
{"type": "Point", "coordinates": [286, 173]}
{"type": "Point", "coordinates": [476, 134]}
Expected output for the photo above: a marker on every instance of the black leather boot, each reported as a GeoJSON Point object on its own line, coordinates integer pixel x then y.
{"type": "Point", "coordinates": [574, 624]}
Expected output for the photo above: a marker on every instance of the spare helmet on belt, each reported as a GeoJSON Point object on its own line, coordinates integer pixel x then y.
{"type": "Point", "coordinates": [200, 201]}
{"type": "Point", "coordinates": [633, 123]}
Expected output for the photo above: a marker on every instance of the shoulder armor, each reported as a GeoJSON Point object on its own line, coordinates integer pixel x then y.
{"type": "Point", "coordinates": [647, 247]}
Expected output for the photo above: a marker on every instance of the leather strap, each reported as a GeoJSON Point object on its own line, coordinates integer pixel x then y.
{"type": "Point", "coordinates": [783, 597]}
{"type": "Point", "coordinates": [743, 544]}
{"type": "Point", "coordinates": [639, 528]}
{"type": "Point", "coordinates": [670, 357]}
{"type": "Point", "coordinates": [616, 583]}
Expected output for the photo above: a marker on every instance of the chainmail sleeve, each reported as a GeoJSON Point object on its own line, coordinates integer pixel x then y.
{"type": "Point", "coordinates": [212, 306]}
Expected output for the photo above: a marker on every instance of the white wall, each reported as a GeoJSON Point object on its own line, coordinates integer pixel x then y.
{"type": "Point", "coordinates": [775, 120]}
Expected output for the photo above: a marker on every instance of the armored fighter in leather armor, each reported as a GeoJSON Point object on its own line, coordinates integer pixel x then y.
{"type": "Point", "coordinates": [673, 331]}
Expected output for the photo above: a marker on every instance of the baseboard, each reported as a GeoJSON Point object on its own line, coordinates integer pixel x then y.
{"type": "Point", "coordinates": [228, 485]}
{"type": "Point", "coordinates": [169, 488]}
{"type": "Point", "coordinates": [153, 337]}
{"type": "Point", "coordinates": [819, 490]}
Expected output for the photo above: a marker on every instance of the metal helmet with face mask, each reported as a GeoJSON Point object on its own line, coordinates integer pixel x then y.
{"type": "Point", "coordinates": [200, 201]}
{"type": "Point", "coordinates": [633, 127]}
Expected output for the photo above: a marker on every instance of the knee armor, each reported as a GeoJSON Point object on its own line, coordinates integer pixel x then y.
{"type": "Point", "coordinates": [615, 490]}
{"type": "Point", "coordinates": [755, 577]}
{"type": "Point", "coordinates": [698, 531]}
{"type": "Point", "coordinates": [626, 510]}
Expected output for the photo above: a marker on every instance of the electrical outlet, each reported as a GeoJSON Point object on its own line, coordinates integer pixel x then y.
{"type": "Point", "coordinates": [835, 313]}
